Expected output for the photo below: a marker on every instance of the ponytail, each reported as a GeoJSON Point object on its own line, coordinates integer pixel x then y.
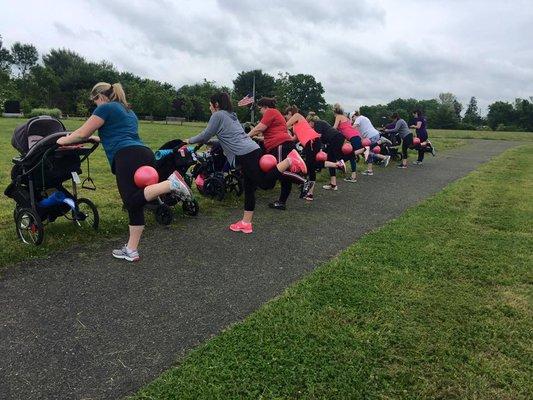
{"type": "Point", "coordinates": [114, 92]}
{"type": "Point", "coordinates": [291, 109]}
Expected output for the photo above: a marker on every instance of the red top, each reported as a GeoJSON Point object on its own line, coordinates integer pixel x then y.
{"type": "Point", "coordinates": [347, 130]}
{"type": "Point", "coordinates": [276, 131]}
{"type": "Point", "coordinates": [304, 132]}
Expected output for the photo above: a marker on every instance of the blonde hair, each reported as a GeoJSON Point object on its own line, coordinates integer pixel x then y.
{"type": "Point", "coordinates": [113, 91]}
{"type": "Point", "coordinates": [337, 109]}
{"type": "Point", "coordinates": [312, 117]}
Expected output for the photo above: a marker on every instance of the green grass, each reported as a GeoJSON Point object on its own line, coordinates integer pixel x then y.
{"type": "Point", "coordinates": [63, 233]}
{"type": "Point", "coordinates": [488, 135]}
{"type": "Point", "coordinates": [435, 305]}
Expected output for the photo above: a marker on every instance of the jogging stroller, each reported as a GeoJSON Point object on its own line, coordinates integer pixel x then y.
{"type": "Point", "coordinates": [38, 177]}
{"type": "Point", "coordinates": [214, 176]}
{"type": "Point", "coordinates": [173, 156]}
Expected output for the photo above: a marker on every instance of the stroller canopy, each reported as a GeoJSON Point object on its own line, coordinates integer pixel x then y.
{"type": "Point", "coordinates": [35, 129]}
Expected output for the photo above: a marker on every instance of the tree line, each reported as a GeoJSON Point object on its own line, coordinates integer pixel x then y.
{"type": "Point", "coordinates": [62, 79]}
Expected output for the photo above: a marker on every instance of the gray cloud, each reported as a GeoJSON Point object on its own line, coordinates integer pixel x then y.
{"type": "Point", "coordinates": [362, 51]}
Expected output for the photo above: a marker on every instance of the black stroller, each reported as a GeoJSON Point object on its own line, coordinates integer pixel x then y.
{"type": "Point", "coordinates": [213, 175]}
{"type": "Point", "coordinates": [38, 176]}
{"type": "Point", "coordinates": [173, 156]}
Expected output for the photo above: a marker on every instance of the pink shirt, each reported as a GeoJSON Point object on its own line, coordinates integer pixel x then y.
{"type": "Point", "coordinates": [304, 132]}
{"type": "Point", "coordinates": [348, 130]}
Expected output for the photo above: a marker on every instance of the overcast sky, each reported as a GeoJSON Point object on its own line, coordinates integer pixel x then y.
{"type": "Point", "coordinates": [363, 52]}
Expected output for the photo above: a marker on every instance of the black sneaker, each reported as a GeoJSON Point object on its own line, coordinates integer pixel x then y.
{"type": "Point", "coordinates": [277, 205]}
{"type": "Point", "coordinates": [305, 188]}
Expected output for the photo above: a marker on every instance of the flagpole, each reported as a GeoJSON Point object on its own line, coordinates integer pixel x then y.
{"type": "Point", "coordinates": [253, 96]}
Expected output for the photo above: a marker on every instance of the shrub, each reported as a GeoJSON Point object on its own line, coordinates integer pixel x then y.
{"type": "Point", "coordinates": [53, 112]}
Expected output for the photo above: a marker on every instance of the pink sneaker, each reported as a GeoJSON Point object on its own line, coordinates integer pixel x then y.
{"type": "Point", "coordinates": [297, 163]}
{"type": "Point", "coordinates": [241, 226]}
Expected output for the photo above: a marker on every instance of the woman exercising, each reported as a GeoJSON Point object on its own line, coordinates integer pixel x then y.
{"type": "Point", "coordinates": [334, 140]}
{"type": "Point", "coordinates": [310, 140]}
{"type": "Point", "coordinates": [241, 150]}
{"type": "Point", "coordinates": [401, 128]}
{"type": "Point", "coordinates": [344, 125]}
{"type": "Point", "coordinates": [278, 142]}
{"type": "Point", "coordinates": [118, 130]}
{"type": "Point", "coordinates": [420, 124]}
{"type": "Point", "coordinates": [367, 130]}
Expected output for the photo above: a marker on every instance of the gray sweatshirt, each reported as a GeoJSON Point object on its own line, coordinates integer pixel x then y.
{"type": "Point", "coordinates": [401, 128]}
{"type": "Point", "coordinates": [230, 133]}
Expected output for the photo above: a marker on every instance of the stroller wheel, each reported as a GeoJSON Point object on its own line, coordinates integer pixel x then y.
{"type": "Point", "coordinates": [234, 183]}
{"type": "Point", "coordinates": [191, 207]}
{"type": "Point", "coordinates": [29, 226]}
{"type": "Point", "coordinates": [163, 214]}
{"type": "Point", "coordinates": [87, 214]}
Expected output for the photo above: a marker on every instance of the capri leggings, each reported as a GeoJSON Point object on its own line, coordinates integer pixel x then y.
{"type": "Point", "coordinates": [310, 151]}
{"type": "Point", "coordinates": [335, 152]}
{"type": "Point", "coordinates": [254, 177]}
{"type": "Point", "coordinates": [125, 163]}
{"type": "Point", "coordinates": [407, 142]}
{"type": "Point", "coordinates": [288, 178]}
{"type": "Point", "coordinates": [357, 144]}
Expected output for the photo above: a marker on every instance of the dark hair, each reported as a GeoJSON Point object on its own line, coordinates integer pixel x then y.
{"type": "Point", "coordinates": [395, 115]}
{"type": "Point", "coordinates": [418, 113]}
{"type": "Point", "coordinates": [337, 109]}
{"type": "Point", "coordinates": [291, 109]}
{"type": "Point", "coordinates": [267, 102]}
{"type": "Point", "coordinates": [223, 100]}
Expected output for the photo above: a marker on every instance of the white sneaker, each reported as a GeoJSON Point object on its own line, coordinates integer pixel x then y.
{"type": "Point", "coordinates": [386, 161]}
{"type": "Point", "coordinates": [330, 187]}
{"type": "Point", "coordinates": [179, 186]}
{"type": "Point", "coordinates": [126, 254]}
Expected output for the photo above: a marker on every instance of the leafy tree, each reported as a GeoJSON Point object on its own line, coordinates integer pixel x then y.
{"type": "Point", "coordinates": [501, 113]}
{"type": "Point", "coordinates": [6, 60]}
{"type": "Point", "coordinates": [198, 96]}
{"type": "Point", "coordinates": [524, 114]}
{"type": "Point", "coordinates": [24, 56]}
{"type": "Point", "coordinates": [302, 90]}
{"type": "Point", "coordinates": [472, 115]}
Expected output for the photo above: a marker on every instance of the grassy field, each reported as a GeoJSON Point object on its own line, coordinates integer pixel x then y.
{"type": "Point", "coordinates": [443, 312]}
{"type": "Point", "coordinates": [63, 233]}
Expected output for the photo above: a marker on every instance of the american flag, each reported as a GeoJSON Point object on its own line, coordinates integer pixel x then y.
{"type": "Point", "coordinates": [246, 100]}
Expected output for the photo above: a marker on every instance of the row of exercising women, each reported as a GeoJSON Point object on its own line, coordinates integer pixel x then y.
{"type": "Point", "coordinates": [117, 126]}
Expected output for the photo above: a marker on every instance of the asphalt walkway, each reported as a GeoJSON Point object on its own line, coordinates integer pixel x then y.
{"type": "Point", "coordinates": [81, 325]}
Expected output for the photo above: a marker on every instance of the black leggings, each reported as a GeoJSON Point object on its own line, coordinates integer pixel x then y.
{"type": "Point", "coordinates": [288, 178]}
{"type": "Point", "coordinates": [125, 163]}
{"type": "Point", "coordinates": [407, 142]}
{"type": "Point", "coordinates": [335, 152]}
{"type": "Point", "coordinates": [254, 177]}
{"type": "Point", "coordinates": [310, 151]}
{"type": "Point", "coordinates": [423, 149]}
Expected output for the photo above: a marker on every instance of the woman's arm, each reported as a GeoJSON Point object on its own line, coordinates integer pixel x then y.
{"type": "Point", "coordinates": [337, 121]}
{"type": "Point", "coordinates": [294, 119]}
{"type": "Point", "coordinates": [83, 132]}
{"type": "Point", "coordinates": [417, 126]}
{"type": "Point", "coordinates": [259, 128]}
{"type": "Point", "coordinates": [211, 129]}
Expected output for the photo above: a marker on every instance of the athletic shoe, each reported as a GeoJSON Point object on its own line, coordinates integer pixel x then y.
{"type": "Point", "coordinates": [305, 188]}
{"type": "Point", "coordinates": [178, 185]}
{"type": "Point", "coordinates": [401, 166]}
{"type": "Point", "coordinates": [417, 162]}
{"type": "Point", "coordinates": [241, 226]}
{"type": "Point", "coordinates": [309, 197]}
{"type": "Point", "coordinates": [297, 162]}
{"type": "Point", "coordinates": [341, 165]}
{"type": "Point", "coordinates": [277, 205]}
{"type": "Point", "coordinates": [350, 179]}
{"type": "Point", "coordinates": [433, 152]}
{"type": "Point", "coordinates": [126, 254]}
{"type": "Point", "coordinates": [386, 161]}
{"type": "Point", "coordinates": [367, 172]}
{"type": "Point", "coordinates": [330, 187]}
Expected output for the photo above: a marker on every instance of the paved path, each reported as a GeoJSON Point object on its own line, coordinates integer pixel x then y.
{"type": "Point", "coordinates": [81, 325]}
